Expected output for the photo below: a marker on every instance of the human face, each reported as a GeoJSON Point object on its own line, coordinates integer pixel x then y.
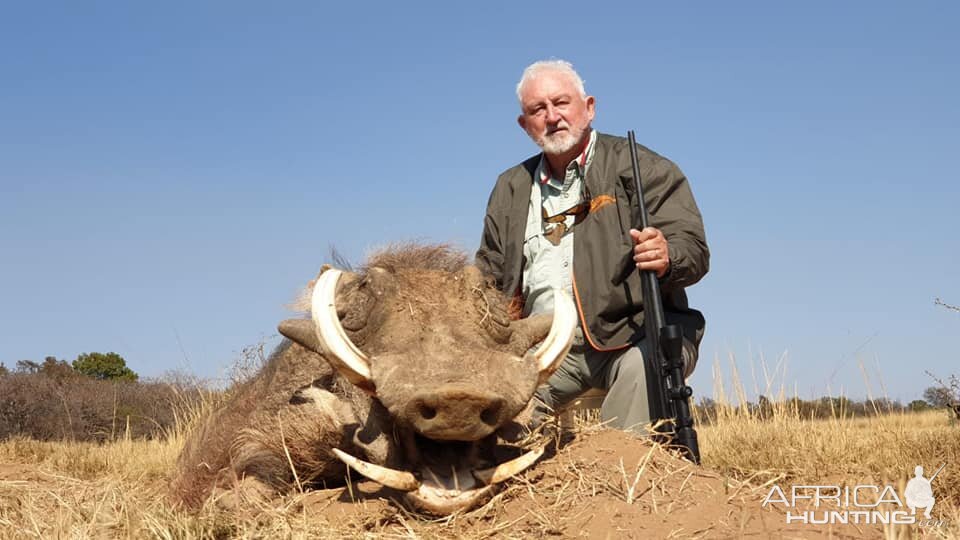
{"type": "Point", "coordinates": [554, 114]}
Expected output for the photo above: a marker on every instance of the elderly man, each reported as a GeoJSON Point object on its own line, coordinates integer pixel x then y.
{"type": "Point", "coordinates": [564, 218]}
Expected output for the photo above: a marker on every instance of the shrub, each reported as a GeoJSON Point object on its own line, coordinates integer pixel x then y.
{"type": "Point", "coordinates": [45, 407]}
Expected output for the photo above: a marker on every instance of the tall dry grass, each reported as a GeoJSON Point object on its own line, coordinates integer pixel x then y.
{"type": "Point", "coordinates": [116, 489]}
{"type": "Point", "coordinates": [780, 445]}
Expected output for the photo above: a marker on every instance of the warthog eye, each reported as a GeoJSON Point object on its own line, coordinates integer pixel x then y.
{"type": "Point", "coordinates": [490, 415]}
{"type": "Point", "coordinates": [427, 412]}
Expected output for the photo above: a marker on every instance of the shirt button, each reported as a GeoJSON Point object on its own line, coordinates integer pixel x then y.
{"type": "Point", "coordinates": [565, 264]}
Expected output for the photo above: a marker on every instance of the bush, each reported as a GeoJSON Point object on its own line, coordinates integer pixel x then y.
{"type": "Point", "coordinates": [46, 407]}
{"type": "Point", "coordinates": [918, 405]}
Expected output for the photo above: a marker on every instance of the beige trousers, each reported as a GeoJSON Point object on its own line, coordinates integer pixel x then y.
{"type": "Point", "coordinates": [621, 373]}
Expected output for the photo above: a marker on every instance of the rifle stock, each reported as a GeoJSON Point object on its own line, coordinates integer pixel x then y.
{"type": "Point", "coordinates": [667, 392]}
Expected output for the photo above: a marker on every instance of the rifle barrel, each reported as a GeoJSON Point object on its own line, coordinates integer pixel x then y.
{"type": "Point", "coordinates": [938, 472]}
{"type": "Point", "coordinates": [653, 319]}
{"type": "Point", "coordinates": [667, 392]}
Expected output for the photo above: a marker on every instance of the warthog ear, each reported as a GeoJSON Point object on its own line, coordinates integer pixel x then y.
{"type": "Point", "coordinates": [302, 332]}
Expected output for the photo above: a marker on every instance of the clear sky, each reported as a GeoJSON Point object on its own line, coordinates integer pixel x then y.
{"type": "Point", "coordinates": [171, 173]}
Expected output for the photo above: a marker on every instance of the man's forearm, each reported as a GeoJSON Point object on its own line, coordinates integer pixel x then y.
{"type": "Point", "coordinates": [689, 262]}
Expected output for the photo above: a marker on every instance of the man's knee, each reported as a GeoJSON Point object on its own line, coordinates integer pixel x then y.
{"type": "Point", "coordinates": [631, 366]}
{"type": "Point", "coordinates": [565, 384]}
{"type": "Point", "coordinates": [689, 355]}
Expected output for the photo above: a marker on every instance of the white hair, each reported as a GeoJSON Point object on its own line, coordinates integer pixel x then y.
{"type": "Point", "coordinates": [562, 66]}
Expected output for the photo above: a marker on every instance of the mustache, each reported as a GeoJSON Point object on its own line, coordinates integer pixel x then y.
{"type": "Point", "coordinates": [553, 129]}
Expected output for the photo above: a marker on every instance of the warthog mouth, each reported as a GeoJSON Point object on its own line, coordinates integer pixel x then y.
{"type": "Point", "coordinates": [443, 489]}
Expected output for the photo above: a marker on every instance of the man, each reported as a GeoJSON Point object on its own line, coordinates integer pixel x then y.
{"type": "Point", "coordinates": [564, 218]}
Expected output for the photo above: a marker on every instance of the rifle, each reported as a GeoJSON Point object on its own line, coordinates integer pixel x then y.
{"type": "Point", "coordinates": [668, 393]}
{"type": "Point", "coordinates": [936, 473]}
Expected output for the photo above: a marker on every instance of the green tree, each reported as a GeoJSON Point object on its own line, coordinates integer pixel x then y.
{"type": "Point", "coordinates": [104, 366]}
{"type": "Point", "coordinates": [918, 405]}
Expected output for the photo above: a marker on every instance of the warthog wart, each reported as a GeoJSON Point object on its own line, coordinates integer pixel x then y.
{"type": "Point", "coordinates": [405, 373]}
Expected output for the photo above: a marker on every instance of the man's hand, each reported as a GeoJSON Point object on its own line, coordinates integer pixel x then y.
{"type": "Point", "coordinates": [650, 250]}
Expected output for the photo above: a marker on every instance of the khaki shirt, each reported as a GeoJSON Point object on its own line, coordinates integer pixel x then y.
{"type": "Point", "coordinates": [548, 266]}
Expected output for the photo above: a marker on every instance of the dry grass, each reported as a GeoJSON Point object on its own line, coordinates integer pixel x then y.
{"type": "Point", "coordinates": [783, 446]}
{"type": "Point", "coordinates": [116, 490]}
{"type": "Point", "coordinates": [788, 449]}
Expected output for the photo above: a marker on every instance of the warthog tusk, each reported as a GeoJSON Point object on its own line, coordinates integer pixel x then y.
{"type": "Point", "coordinates": [495, 475]}
{"type": "Point", "coordinates": [558, 341]}
{"type": "Point", "coordinates": [340, 351]}
{"type": "Point", "coordinates": [399, 480]}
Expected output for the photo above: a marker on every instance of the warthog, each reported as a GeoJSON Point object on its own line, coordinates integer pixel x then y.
{"type": "Point", "coordinates": [405, 373]}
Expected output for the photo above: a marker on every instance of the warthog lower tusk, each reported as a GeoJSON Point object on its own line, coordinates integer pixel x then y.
{"type": "Point", "coordinates": [558, 341]}
{"type": "Point", "coordinates": [340, 351]}
{"type": "Point", "coordinates": [399, 480]}
{"type": "Point", "coordinates": [495, 475]}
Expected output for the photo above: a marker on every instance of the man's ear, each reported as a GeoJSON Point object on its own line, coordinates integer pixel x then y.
{"type": "Point", "coordinates": [591, 107]}
{"type": "Point", "coordinates": [522, 120]}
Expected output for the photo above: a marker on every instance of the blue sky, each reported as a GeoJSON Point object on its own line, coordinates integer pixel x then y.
{"type": "Point", "coordinates": [172, 173]}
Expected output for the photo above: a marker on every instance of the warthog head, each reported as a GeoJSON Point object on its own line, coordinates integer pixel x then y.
{"type": "Point", "coordinates": [439, 352]}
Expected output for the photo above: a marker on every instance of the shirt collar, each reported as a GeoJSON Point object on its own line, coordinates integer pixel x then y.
{"type": "Point", "coordinates": [579, 164]}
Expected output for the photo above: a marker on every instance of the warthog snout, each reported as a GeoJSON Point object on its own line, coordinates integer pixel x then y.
{"type": "Point", "coordinates": [456, 412]}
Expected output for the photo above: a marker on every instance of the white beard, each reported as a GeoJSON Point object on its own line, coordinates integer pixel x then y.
{"type": "Point", "coordinates": [562, 142]}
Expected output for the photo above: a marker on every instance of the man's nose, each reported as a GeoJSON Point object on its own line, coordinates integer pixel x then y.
{"type": "Point", "coordinates": [553, 115]}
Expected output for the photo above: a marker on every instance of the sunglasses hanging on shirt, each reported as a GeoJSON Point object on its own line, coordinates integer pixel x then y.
{"type": "Point", "coordinates": [555, 226]}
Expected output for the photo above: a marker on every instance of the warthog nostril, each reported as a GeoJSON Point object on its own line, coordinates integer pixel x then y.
{"type": "Point", "coordinates": [455, 412]}
{"type": "Point", "coordinates": [490, 415]}
{"type": "Point", "coordinates": [427, 412]}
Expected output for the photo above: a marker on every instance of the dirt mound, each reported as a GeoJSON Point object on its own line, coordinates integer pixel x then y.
{"type": "Point", "coordinates": [603, 484]}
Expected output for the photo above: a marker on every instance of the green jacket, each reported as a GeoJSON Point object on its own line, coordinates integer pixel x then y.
{"type": "Point", "coordinates": [607, 286]}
